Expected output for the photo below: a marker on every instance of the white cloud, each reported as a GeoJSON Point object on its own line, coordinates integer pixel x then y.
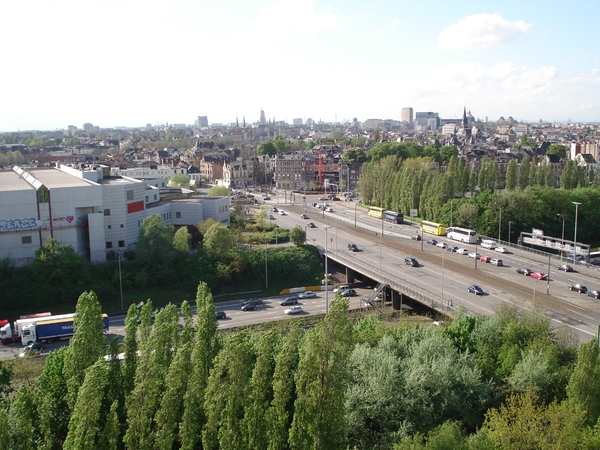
{"type": "Point", "coordinates": [290, 18]}
{"type": "Point", "coordinates": [481, 31]}
{"type": "Point", "coordinates": [384, 30]}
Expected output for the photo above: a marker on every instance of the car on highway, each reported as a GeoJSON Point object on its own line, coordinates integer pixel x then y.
{"type": "Point", "coordinates": [32, 350]}
{"type": "Point", "coordinates": [485, 259]}
{"type": "Point", "coordinates": [343, 287]}
{"type": "Point", "coordinates": [303, 216]}
{"type": "Point", "coordinates": [274, 209]}
{"type": "Point", "coordinates": [352, 247]}
{"type": "Point", "coordinates": [296, 309]}
{"type": "Point", "coordinates": [289, 301]}
{"type": "Point", "coordinates": [431, 241]}
{"type": "Point", "coordinates": [249, 307]}
{"type": "Point", "coordinates": [595, 294]}
{"type": "Point", "coordinates": [538, 275]}
{"type": "Point", "coordinates": [501, 249]}
{"type": "Point", "coordinates": [462, 251]}
{"type": "Point", "coordinates": [565, 268]}
{"type": "Point", "coordinates": [410, 261]}
{"type": "Point", "coordinates": [307, 294]}
{"type": "Point", "coordinates": [496, 262]}
{"type": "Point", "coordinates": [441, 245]}
{"type": "Point", "coordinates": [254, 300]}
{"type": "Point", "coordinates": [348, 293]}
{"type": "Point", "coordinates": [451, 248]}
{"type": "Point", "coordinates": [282, 212]}
{"type": "Point", "coordinates": [220, 315]}
{"type": "Point", "coordinates": [271, 217]}
{"type": "Point", "coordinates": [474, 255]}
{"type": "Point", "coordinates": [266, 198]}
{"type": "Point", "coordinates": [474, 289]}
{"type": "Point", "coordinates": [416, 237]}
{"type": "Point", "coordinates": [524, 271]}
{"type": "Point", "coordinates": [579, 288]}
{"type": "Point", "coordinates": [329, 209]}
{"type": "Point", "coordinates": [311, 225]}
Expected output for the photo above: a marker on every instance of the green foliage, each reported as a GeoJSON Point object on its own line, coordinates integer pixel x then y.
{"type": "Point", "coordinates": [218, 191]}
{"type": "Point", "coordinates": [182, 240]}
{"type": "Point", "coordinates": [280, 145]}
{"type": "Point", "coordinates": [298, 236]}
{"type": "Point", "coordinates": [217, 241]}
{"type": "Point", "coordinates": [557, 149]}
{"type": "Point", "coordinates": [179, 180]}
{"type": "Point", "coordinates": [267, 148]}
{"type": "Point", "coordinates": [155, 242]}
{"type": "Point", "coordinates": [583, 389]}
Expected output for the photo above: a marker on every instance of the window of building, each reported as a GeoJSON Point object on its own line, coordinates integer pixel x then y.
{"type": "Point", "coordinates": [109, 245]}
{"type": "Point", "coordinates": [177, 215]}
{"type": "Point", "coordinates": [121, 243]}
{"type": "Point", "coordinates": [26, 240]}
{"type": "Point", "coordinates": [146, 199]}
{"type": "Point", "coordinates": [122, 226]}
{"type": "Point", "coordinates": [109, 227]}
{"type": "Point", "coordinates": [155, 196]}
{"type": "Point", "coordinates": [130, 195]}
{"type": "Point", "coordinates": [107, 212]}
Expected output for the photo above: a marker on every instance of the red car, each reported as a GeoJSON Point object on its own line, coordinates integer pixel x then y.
{"type": "Point", "coordinates": [539, 276]}
{"type": "Point", "coordinates": [485, 259]}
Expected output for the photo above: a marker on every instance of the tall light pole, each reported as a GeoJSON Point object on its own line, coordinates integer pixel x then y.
{"type": "Point", "coordinates": [499, 225]}
{"type": "Point", "coordinates": [575, 239]}
{"type": "Point", "coordinates": [443, 257]}
{"type": "Point", "coordinates": [381, 244]}
{"type": "Point", "coordinates": [509, 224]}
{"type": "Point", "coordinates": [326, 276]}
{"type": "Point", "coordinates": [562, 240]}
{"type": "Point", "coordinates": [450, 211]}
{"type": "Point", "coordinates": [355, 205]}
{"type": "Point", "coordinates": [120, 281]}
{"type": "Point", "coordinates": [266, 266]}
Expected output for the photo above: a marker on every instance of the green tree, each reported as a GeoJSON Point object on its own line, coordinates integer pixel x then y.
{"type": "Point", "coordinates": [204, 350]}
{"type": "Point", "coordinates": [261, 216]}
{"type": "Point", "coordinates": [298, 236]}
{"type": "Point", "coordinates": [217, 241]}
{"type": "Point", "coordinates": [468, 214]}
{"type": "Point", "coordinates": [279, 415]}
{"type": "Point", "coordinates": [524, 169]}
{"type": "Point", "coordinates": [511, 175]}
{"type": "Point", "coordinates": [22, 420]}
{"type": "Point", "coordinates": [86, 419]}
{"type": "Point", "coordinates": [319, 421]}
{"type": "Point", "coordinates": [583, 389]}
{"type": "Point", "coordinates": [267, 148]}
{"type": "Point", "coordinates": [472, 182]}
{"type": "Point", "coordinates": [130, 347]}
{"type": "Point", "coordinates": [155, 241]}
{"type": "Point", "coordinates": [280, 145]}
{"type": "Point", "coordinates": [182, 241]}
{"type": "Point", "coordinates": [218, 191]}
{"type": "Point", "coordinates": [179, 180]}
{"type": "Point", "coordinates": [87, 344]}
{"type": "Point", "coordinates": [227, 395]}
{"type": "Point", "coordinates": [557, 149]}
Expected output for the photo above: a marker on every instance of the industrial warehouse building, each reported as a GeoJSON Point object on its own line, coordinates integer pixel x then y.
{"type": "Point", "coordinates": [84, 207]}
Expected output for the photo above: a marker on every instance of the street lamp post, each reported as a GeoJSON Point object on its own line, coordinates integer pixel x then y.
{"type": "Point", "coordinates": [499, 225]}
{"type": "Point", "coordinates": [120, 281]}
{"type": "Point", "coordinates": [266, 265]}
{"type": "Point", "coordinates": [355, 205]}
{"type": "Point", "coordinates": [450, 211]}
{"type": "Point", "coordinates": [575, 239]}
{"type": "Point", "coordinates": [380, 245]}
{"type": "Point", "coordinates": [326, 277]}
{"type": "Point", "coordinates": [443, 258]}
{"type": "Point", "coordinates": [509, 224]}
{"type": "Point", "coordinates": [562, 239]}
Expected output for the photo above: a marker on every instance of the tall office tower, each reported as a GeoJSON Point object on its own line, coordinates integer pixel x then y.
{"type": "Point", "coordinates": [202, 122]}
{"type": "Point", "coordinates": [407, 115]}
{"type": "Point", "coordinates": [263, 119]}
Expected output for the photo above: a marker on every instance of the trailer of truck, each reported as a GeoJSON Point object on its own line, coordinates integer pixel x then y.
{"type": "Point", "coordinates": [41, 329]}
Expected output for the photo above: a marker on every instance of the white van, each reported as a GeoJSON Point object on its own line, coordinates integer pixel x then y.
{"type": "Point", "coordinates": [488, 244]}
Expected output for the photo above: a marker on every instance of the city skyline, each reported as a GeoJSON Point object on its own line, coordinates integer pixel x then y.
{"type": "Point", "coordinates": [129, 63]}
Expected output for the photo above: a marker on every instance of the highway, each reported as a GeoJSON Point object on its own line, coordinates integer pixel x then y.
{"type": "Point", "coordinates": [441, 274]}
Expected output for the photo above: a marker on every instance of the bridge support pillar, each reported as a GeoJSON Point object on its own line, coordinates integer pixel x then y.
{"type": "Point", "coordinates": [350, 275]}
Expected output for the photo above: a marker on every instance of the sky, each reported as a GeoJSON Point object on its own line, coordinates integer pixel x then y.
{"type": "Point", "coordinates": [135, 62]}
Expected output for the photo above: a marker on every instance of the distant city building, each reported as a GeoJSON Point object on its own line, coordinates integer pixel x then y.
{"type": "Point", "coordinates": [297, 122]}
{"type": "Point", "coordinates": [88, 127]}
{"type": "Point", "coordinates": [309, 121]}
{"type": "Point", "coordinates": [427, 121]}
{"type": "Point", "coordinates": [202, 121]}
{"type": "Point", "coordinates": [407, 115]}
{"type": "Point", "coordinates": [263, 119]}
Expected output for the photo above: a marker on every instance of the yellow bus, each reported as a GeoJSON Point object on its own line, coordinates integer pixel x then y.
{"type": "Point", "coordinates": [376, 212]}
{"type": "Point", "coordinates": [433, 228]}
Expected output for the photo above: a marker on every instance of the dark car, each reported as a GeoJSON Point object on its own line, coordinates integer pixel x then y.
{"type": "Point", "coordinates": [271, 217]}
{"type": "Point", "coordinates": [274, 209]}
{"type": "Point", "coordinates": [431, 241]}
{"type": "Point", "coordinates": [289, 301]}
{"type": "Point", "coordinates": [524, 271]}
{"type": "Point", "coordinates": [249, 307]}
{"type": "Point", "coordinates": [579, 288]}
{"type": "Point", "coordinates": [595, 294]}
{"type": "Point", "coordinates": [565, 267]}
{"type": "Point", "coordinates": [348, 293]}
{"type": "Point", "coordinates": [311, 225]}
{"type": "Point", "coordinates": [221, 315]}
{"type": "Point", "coordinates": [303, 216]}
{"type": "Point", "coordinates": [416, 237]}
{"type": "Point", "coordinates": [255, 300]}
{"type": "Point", "coordinates": [474, 289]}
{"type": "Point", "coordinates": [352, 247]}
{"type": "Point", "coordinates": [412, 262]}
